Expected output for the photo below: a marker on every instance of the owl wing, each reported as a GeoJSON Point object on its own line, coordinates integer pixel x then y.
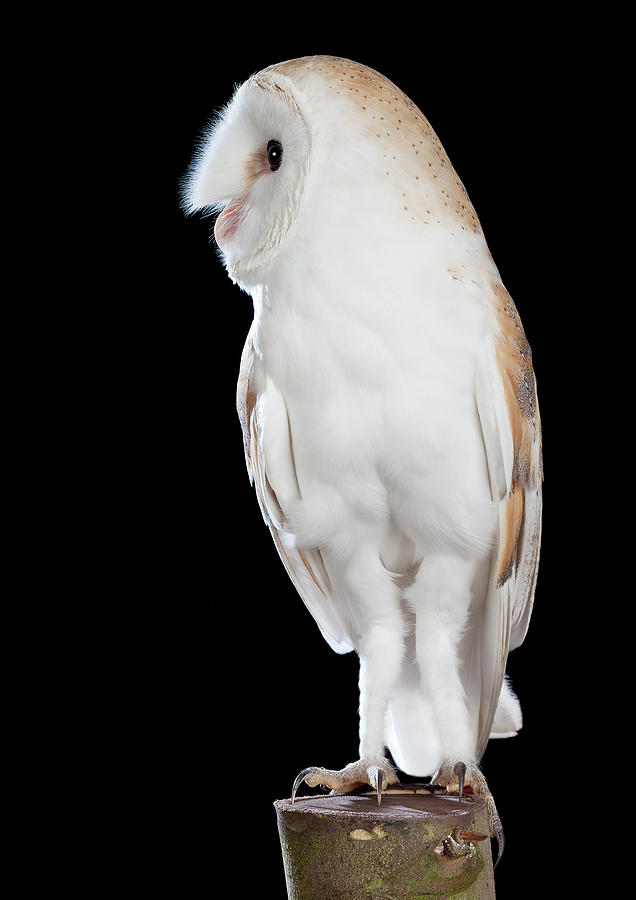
{"type": "Point", "coordinates": [509, 415]}
{"type": "Point", "coordinates": [274, 477]}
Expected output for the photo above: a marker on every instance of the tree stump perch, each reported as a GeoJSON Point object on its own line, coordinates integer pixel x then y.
{"type": "Point", "coordinates": [414, 846]}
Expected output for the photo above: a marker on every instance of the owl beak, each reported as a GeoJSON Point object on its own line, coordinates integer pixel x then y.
{"type": "Point", "coordinates": [228, 221]}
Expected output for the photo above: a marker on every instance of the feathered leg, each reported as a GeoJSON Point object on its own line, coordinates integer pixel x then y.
{"type": "Point", "coordinates": [374, 606]}
{"type": "Point", "coordinates": [441, 597]}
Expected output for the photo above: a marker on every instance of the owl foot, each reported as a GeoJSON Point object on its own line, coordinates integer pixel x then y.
{"type": "Point", "coordinates": [456, 775]}
{"type": "Point", "coordinates": [377, 773]}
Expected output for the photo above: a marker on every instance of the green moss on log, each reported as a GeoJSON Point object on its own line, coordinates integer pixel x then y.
{"type": "Point", "coordinates": [347, 847]}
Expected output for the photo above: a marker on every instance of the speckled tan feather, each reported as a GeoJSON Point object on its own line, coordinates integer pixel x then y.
{"type": "Point", "coordinates": [436, 194]}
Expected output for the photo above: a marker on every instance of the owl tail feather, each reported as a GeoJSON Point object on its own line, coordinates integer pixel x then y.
{"type": "Point", "coordinates": [508, 719]}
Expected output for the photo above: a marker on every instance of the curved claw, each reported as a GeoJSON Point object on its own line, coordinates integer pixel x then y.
{"type": "Point", "coordinates": [460, 771]}
{"type": "Point", "coordinates": [379, 780]}
{"type": "Point", "coordinates": [500, 842]}
{"type": "Point", "coordinates": [299, 780]}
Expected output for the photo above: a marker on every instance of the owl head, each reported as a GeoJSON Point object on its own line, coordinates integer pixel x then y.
{"type": "Point", "coordinates": [325, 142]}
{"type": "Point", "coordinates": [253, 167]}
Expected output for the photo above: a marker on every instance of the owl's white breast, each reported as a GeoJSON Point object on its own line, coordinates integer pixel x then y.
{"type": "Point", "coordinates": [372, 344]}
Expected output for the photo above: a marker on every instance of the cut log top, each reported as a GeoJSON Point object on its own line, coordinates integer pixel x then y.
{"type": "Point", "coordinates": [413, 845]}
{"type": "Point", "coordinates": [395, 805]}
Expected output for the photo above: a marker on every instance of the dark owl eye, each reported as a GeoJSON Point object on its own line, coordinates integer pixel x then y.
{"type": "Point", "coordinates": [274, 155]}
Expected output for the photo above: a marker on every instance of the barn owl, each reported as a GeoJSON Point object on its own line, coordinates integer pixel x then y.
{"type": "Point", "coordinates": [388, 406]}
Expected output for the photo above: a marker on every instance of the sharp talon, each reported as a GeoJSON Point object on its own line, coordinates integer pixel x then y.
{"type": "Point", "coordinates": [460, 771]}
{"type": "Point", "coordinates": [380, 784]}
{"type": "Point", "coordinates": [299, 780]}
{"type": "Point", "coordinates": [500, 843]}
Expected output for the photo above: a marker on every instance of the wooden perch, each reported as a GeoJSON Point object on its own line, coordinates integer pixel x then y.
{"type": "Point", "coordinates": [413, 846]}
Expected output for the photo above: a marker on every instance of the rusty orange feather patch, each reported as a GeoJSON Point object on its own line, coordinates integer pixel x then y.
{"type": "Point", "coordinates": [514, 361]}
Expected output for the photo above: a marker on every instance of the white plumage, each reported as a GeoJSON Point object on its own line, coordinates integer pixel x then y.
{"type": "Point", "coordinates": [388, 404]}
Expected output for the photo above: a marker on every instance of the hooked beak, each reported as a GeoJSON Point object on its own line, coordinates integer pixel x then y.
{"type": "Point", "coordinates": [228, 221]}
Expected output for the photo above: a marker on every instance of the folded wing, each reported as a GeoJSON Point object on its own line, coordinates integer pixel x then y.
{"type": "Point", "coordinates": [274, 477]}
{"type": "Point", "coordinates": [509, 415]}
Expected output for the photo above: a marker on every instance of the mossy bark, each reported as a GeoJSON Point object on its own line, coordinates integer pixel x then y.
{"type": "Point", "coordinates": [414, 846]}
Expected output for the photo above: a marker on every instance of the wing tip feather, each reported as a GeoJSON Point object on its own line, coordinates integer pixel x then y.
{"type": "Point", "coordinates": [513, 519]}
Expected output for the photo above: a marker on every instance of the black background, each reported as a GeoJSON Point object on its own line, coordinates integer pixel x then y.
{"type": "Point", "coordinates": [237, 690]}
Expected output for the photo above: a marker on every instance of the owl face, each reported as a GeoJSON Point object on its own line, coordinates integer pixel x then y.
{"type": "Point", "coordinates": [325, 163]}
{"type": "Point", "coordinates": [253, 168]}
